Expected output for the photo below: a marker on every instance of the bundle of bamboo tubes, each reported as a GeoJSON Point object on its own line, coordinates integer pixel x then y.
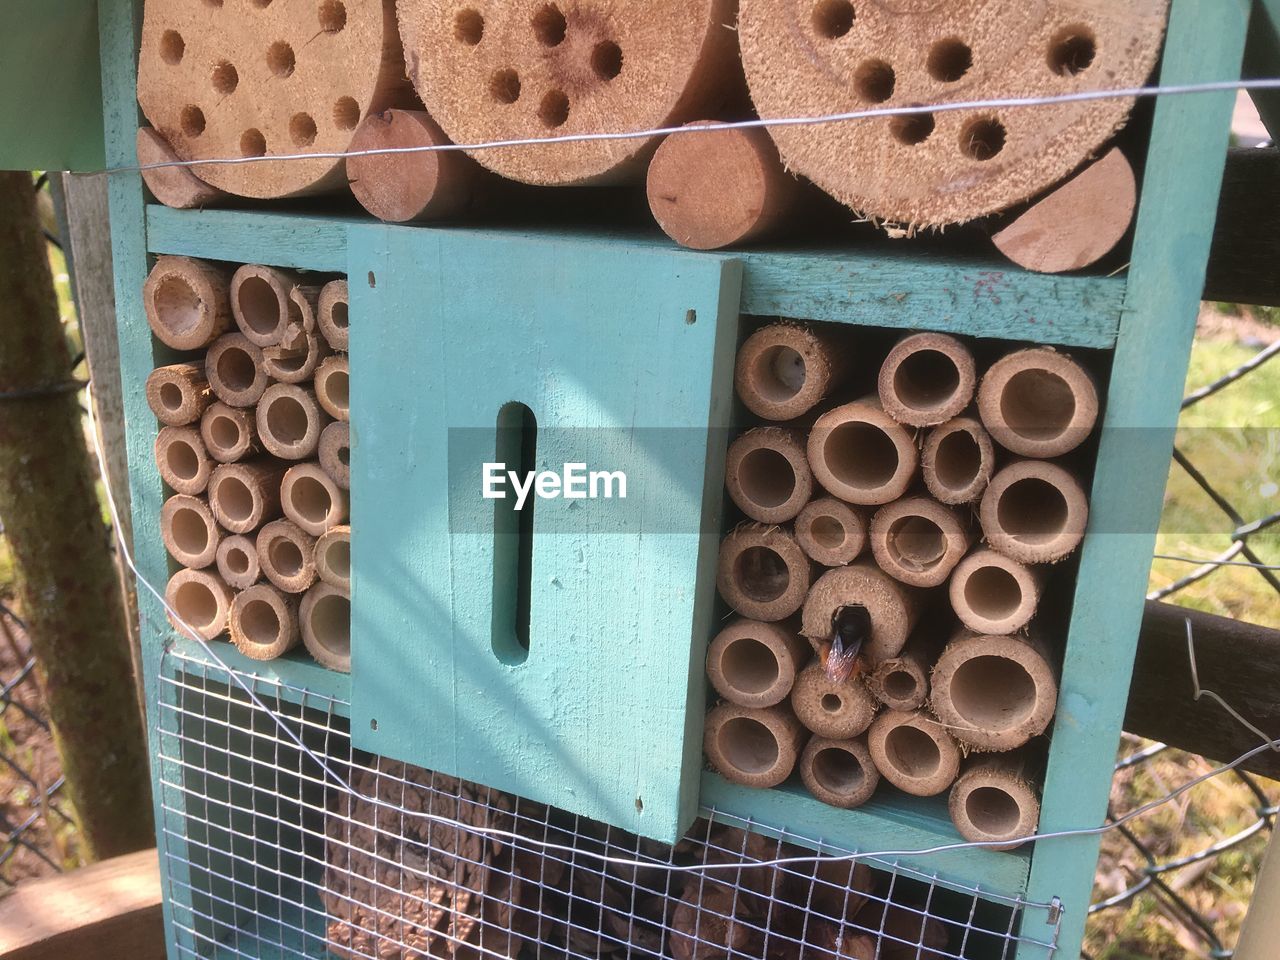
{"type": "Point", "coordinates": [1053, 190]}
{"type": "Point", "coordinates": [900, 521]}
{"type": "Point", "coordinates": [254, 446]}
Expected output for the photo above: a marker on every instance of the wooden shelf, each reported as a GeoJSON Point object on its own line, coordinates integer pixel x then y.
{"type": "Point", "coordinates": [883, 284]}
{"type": "Point", "coordinates": [891, 821]}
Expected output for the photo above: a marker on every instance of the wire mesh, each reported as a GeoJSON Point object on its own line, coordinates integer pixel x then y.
{"type": "Point", "coordinates": [264, 856]}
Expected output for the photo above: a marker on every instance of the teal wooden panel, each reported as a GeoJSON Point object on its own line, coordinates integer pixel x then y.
{"type": "Point", "coordinates": [891, 822]}
{"type": "Point", "coordinates": [1174, 228]}
{"type": "Point", "coordinates": [625, 357]}
{"type": "Point", "coordinates": [907, 287]}
{"type": "Point", "coordinates": [51, 115]}
{"type": "Point", "coordinates": [883, 284]}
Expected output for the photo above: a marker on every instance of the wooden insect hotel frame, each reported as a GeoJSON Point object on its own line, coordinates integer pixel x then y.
{"type": "Point", "coordinates": [580, 685]}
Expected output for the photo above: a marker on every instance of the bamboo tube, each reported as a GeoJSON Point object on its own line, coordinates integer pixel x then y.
{"type": "Point", "coordinates": [335, 453]}
{"type": "Point", "coordinates": [273, 79]}
{"type": "Point", "coordinates": [839, 772]}
{"type": "Point", "coordinates": [914, 753]}
{"type": "Point", "coordinates": [834, 709]}
{"type": "Point", "coordinates": [754, 664]}
{"type": "Point", "coordinates": [286, 556]}
{"type": "Point", "coordinates": [333, 386]}
{"type": "Point", "coordinates": [994, 801]}
{"type": "Point", "coordinates": [325, 615]}
{"type": "Point", "coordinates": [311, 499]}
{"type": "Point", "coordinates": [243, 496]}
{"type": "Point", "coordinates": [176, 187]}
{"type": "Point", "coordinates": [182, 460]}
{"type": "Point", "coordinates": [238, 561]}
{"type": "Point", "coordinates": [235, 371]}
{"type": "Point", "coordinates": [304, 305]}
{"type": "Point", "coordinates": [264, 622]}
{"type": "Point", "coordinates": [713, 190]}
{"type": "Point", "coordinates": [1034, 511]}
{"type": "Point", "coordinates": [831, 532]}
{"type": "Point", "coordinates": [1078, 222]}
{"type": "Point", "coordinates": [763, 573]}
{"type": "Point", "coordinates": [784, 370]}
{"type": "Point", "coordinates": [261, 304]}
{"type": "Point", "coordinates": [295, 364]}
{"type": "Point", "coordinates": [333, 557]}
{"type": "Point", "coordinates": [290, 421]}
{"type": "Point", "coordinates": [201, 600]}
{"type": "Point", "coordinates": [528, 68]}
{"type": "Point", "coordinates": [189, 531]}
{"type": "Point", "coordinates": [919, 541]}
{"type": "Point", "coordinates": [331, 315]}
{"type": "Point", "coordinates": [767, 474]}
{"type": "Point", "coordinates": [957, 460]}
{"type": "Point", "coordinates": [994, 693]}
{"type": "Point", "coordinates": [949, 166]}
{"type": "Point", "coordinates": [927, 379]}
{"type": "Point", "coordinates": [1038, 402]}
{"type": "Point", "coordinates": [993, 594]}
{"type": "Point", "coordinates": [411, 187]}
{"type": "Point", "coordinates": [902, 682]}
{"type": "Point", "coordinates": [186, 302]}
{"type": "Point", "coordinates": [178, 394]}
{"type": "Point", "coordinates": [861, 455]}
{"type": "Point", "coordinates": [229, 433]}
{"type": "Point", "coordinates": [893, 607]}
{"type": "Point", "coordinates": [753, 747]}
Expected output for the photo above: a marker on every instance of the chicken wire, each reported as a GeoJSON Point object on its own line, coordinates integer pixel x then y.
{"type": "Point", "coordinates": [265, 855]}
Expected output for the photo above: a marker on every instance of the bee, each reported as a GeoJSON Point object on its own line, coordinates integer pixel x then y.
{"type": "Point", "coordinates": [850, 629]}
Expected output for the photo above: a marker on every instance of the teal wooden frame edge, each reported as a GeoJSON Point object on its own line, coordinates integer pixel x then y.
{"type": "Point", "coordinates": [874, 286]}
{"type": "Point", "coordinates": [1186, 156]}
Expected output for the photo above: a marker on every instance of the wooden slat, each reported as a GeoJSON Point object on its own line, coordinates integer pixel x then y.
{"type": "Point", "coordinates": [1238, 661]}
{"type": "Point", "coordinates": [1246, 237]}
{"type": "Point", "coordinates": [111, 909]}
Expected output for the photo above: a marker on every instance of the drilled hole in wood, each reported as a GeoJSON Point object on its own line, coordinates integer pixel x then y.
{"type": "Point", "coordinates": [553, 111]}
{"type": "Point", "coordinates": [253, 143]}
{"type": "Point", "coordinates": [833, 18]}
{"type": "Point", "coordinates": [982, 139]}
{"type": "Point", "coordinates": [280, 59]}
{"type": "Point", "coordinates": [225, 78]}
{"type": "Point", "coordinates": [468, 27]}
{"type": "Point", "coordinates": [172, 47]}
{"type": "Point", "coordinates": [192, 121]}
{"type": "Point", "coordinates": [874, 81]}
{"type": "Point", "coordinates": [504, 86]}
{"type": "Point", "coordinates": [302, 130]}
{"type": "Point", "coordinates": [346, 113]}
{"type": "Point", "coordinates": [1072, 50]}
{"type": "Point", "coordinates": [912, 128]}
{"type": "Point", "coordinates": [332, 15]}
{"type": "Point", "coordinates": [606, 59]}
{"type": "Point", "coordinates": [949, 60]}
{"type": "Point", "coordinates": [549, 25]}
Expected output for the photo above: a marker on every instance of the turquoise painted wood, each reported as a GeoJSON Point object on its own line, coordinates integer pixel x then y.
{"type": "Point", "coordinates": [625, 358]}
{"type": "Point", "coordinates": [1166, 276]}
{"type": "Point", "coordinates": [887, 284]}
{"type": "Point", "coordinates": [51, 115]}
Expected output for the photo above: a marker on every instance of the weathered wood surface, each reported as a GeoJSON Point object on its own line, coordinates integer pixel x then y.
{"type": "Point", "coordinates": [1243, 264]}
{"type": "Point", "coordinates": [110, 909]}
{"type": "Point", "coordinates": [1238, 661]}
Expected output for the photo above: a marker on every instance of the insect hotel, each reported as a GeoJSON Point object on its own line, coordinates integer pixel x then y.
{"type": "Point", "coordinates": [668, 479]}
